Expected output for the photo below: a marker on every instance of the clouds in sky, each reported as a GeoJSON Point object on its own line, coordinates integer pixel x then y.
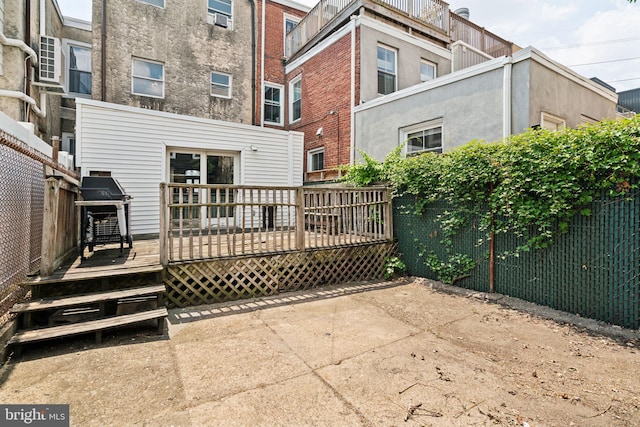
{"type": "Point", "coordinates": [571, 32]}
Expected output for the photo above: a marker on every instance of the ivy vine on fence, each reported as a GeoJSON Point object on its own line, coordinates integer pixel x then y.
{"type": "Point", "coordinates": [530, 184]}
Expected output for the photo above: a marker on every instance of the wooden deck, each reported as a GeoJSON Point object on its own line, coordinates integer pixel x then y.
{"type": "Point", "coordinates": [144, 256]}
{"type": "Point", "coordinates": [105, 262]}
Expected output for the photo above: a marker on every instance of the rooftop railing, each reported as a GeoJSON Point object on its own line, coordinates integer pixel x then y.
{"type": "Point", "coordinates": [434, 13]}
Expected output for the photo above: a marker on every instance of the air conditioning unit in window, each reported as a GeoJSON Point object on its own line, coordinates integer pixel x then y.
{"type": "Point", "coordinates": [221, 20]}
{"type": "Point", "coordinates": [50, 59]}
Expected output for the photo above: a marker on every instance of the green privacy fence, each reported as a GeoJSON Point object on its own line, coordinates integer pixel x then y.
{"type": "Point", "coordinates": [593, 270]}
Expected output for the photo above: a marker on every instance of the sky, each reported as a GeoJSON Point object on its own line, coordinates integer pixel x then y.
{"type": "Point", "coordinates": [605, 34]}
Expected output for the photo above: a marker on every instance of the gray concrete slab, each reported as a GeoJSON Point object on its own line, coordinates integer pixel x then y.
{"type": "Point", "coordinates": [373, 354]}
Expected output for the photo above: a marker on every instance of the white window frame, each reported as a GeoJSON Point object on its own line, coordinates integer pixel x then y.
{"type": "Point", "coordinates": [150, 3]}
{"type": "Point", "coordinates": [133, 77]}
{"type": "Point", "coordinates": [211, 15]}
{"type": "Point", "coordinates": [228, 95]}
{"type": "Point", "coordinates": [292, 83]}
{"type": "Point", "coordinates": [558, 122]}
{"type": "Point", "coordinates": [423, 126]}
{"type": "Point", "coordinates": [429, 64]}
{"type": "Point", "coordinates": [310, 155]}
{"type": "Point", "coordinates": [286, 18]}
{"type": "Point", "coordinates": [281, 105]}
{"type": "Point", "coordinates": [67, 44]}
{"type": "Point", "coordinates": [395, 68]}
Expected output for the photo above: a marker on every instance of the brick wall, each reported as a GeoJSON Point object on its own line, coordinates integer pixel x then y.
{"type": "Point", "coordinates": [274, 47]}
{"type": "Point", "coordinates": [326, 87]}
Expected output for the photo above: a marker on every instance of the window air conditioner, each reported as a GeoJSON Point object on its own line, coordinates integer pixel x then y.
{"type": "Point", "coordinates": [221, 20]}
{"type": "Point", "coordinates": [50, 60]}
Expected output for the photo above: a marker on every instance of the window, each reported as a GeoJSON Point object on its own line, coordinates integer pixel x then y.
{"type": "Point", "coordinates": [295, 100]}
{"type": "Point", "coordinates": [159, 3]}
{"type": "Point", "coordinates": [79, 73]}
{"type": "Point", "coordinates": [289, 23]}
{"type": "Point", "coordinates": [427, 71]}
{"type": "Point", "coordinates": [423, 137]}
{"type": "Point", "coordinates": [272, 105]}
{"type": "Point", "coordinates": [220, 85]}
{"type": "Point", "coordinates": [316, 160]}
{"type": "Point", "coordinates": [147, 78]}
{"type": "Point", "coordinates": [386, 70]}
{"type": "Point", "coordinates": [220, 12]}
{"type": "Point", "coordinates": [551, 122]}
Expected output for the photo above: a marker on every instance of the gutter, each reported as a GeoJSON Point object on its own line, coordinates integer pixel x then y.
{"type": "Point", "coordinates": [253, 60]}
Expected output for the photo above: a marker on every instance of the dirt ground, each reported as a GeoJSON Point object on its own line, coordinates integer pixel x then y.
{"type": "Point", "coordinates": [402, 353]}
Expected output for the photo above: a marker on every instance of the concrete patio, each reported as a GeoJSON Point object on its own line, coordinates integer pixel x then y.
{"type": "Point", "coordinates": [374, 354]}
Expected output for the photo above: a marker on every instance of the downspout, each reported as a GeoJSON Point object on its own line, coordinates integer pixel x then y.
{"type": "Point", "coordinates": [262, 35]}
{"type": "Point", "coordinates": [506, 97]}
{"type": "Point", "coordinates": [43, 32]}
{"type": "Point", "coordinates": [103, 53]}
{"type": "Point", "coordinates": [352, 99]}
{"type": "Point", "coordinates": [253, 61]}
{"type": "Point", "coordinates": [22, 97]}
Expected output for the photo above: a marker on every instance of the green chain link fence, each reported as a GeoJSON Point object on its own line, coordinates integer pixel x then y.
{"type": "Point", "coordinates": [593, 270]}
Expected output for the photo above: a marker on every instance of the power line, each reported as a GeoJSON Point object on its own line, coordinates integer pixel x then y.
{"type": "Point", "coordinates": [624, 80]}
{"type": "Point", "coordinates": [604, 62]}
{"type": "Point", "coordinates": [571, 46]}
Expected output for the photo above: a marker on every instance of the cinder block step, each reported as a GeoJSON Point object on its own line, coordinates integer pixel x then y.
{"type": "Point", "coordinates": [34, 335]}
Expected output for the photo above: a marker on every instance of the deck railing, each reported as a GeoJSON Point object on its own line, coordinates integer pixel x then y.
{"type": "Point", "coordinates": [431, 12]}
{"type": "Point", "coordinates": [461, 29]}
{"type": "Point", "coordinates": [212, 221]}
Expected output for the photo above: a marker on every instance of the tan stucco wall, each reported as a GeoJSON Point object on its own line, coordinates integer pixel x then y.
{"type": "Point", "coordinates": [190, 48]}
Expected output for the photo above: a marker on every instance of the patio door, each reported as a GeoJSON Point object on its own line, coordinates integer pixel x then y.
{"type": "Point", "coordinates": [202, 168]}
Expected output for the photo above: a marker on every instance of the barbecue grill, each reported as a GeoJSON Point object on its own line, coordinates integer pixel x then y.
{"type": "Point", "coordinates": [105, 213]}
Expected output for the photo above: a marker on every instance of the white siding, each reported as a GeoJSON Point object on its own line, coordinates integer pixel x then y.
{"type": "Point", "coordinates": [132, 144]}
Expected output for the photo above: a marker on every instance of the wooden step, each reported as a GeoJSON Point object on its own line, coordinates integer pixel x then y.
{"type": "Point", "coordinates": [78, 300]}
{"type": "Point", "coordinates": [34, 335]}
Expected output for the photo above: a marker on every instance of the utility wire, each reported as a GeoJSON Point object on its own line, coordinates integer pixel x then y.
{"type": "Point", "coordinates": [571, 46]}
{"type": "Point", "coordinates": [604, 62]}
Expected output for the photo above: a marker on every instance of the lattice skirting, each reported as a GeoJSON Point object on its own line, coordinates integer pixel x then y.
{"type": "Point", "coordinates": [207, 282]}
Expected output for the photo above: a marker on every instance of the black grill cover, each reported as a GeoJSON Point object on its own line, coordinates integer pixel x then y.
{"type": "Point", "coordinates": [102, 188]}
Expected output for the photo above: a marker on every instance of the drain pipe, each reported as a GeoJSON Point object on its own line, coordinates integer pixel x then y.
{"type": "Point", "coordinates": [253, 60]}
{"type": "Point", "coordinates": [23, 97]}
{"type": "Point", "coordinates": [20, 45]}
{"type": "Point", "coordinates": [103, 53]}
{"type": "Point", "coordinates": [262, 34]}
{"type": "Point", "coordinates": [506, 97]}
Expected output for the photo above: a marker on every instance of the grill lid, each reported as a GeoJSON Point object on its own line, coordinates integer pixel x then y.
{"type": "Point", "coordinates": [102, 188]}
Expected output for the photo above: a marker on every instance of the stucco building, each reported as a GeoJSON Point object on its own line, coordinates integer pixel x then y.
{"type": "Point", "coordinates": [41, 70]}
{"type": "Point", "coordinates": [489, 101]}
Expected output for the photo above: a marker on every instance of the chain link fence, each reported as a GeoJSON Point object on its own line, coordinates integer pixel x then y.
{"type": "Point", "coordinates": [593, 270]}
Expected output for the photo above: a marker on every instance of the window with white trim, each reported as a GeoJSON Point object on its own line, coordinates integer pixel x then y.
{"type": "Point", "coordinates": [272, 103]}
{"type": "Point", "coordinates": [79, 68]}
{"type": "Point", "coordinates": [147, 78]}
{"type": "Point", "coordinates": [295, 99]}
{"type": "Point", "coordinates": [427, 71]}
{"type": "Point", "coordinates": [315, 160]}
{"type": "Point", "coordinates": [159, 3]}
{"type": "Point", "coordinates": [289, 23]}
{"type": "Point", "coordinates": [220, 85]}
{"type": "Point", "coordinates": [386, 70]}
{"type": "Point", "coordinates": [220, 12]}
{"type": "Point", "coordinates": [423, 137]}
{"type": "Point", "coordinates": [551, 122]}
